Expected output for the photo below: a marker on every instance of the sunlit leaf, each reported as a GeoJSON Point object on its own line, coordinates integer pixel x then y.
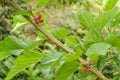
{"type": "Point", "coordinates": [18, 26]}
{"type": "Point", "coordinates": [25, 13]}
{"type": "Point", "coordinates": [114, 39]}
{"type": "Point", "coordinates": [71, 57]}
{"type": "Point", "coordinates": [26, 1]}
{"type": "Point", "coordinates": [59, 33]}
{"type": "Point", "coordinates": [97, 49]}
{"type": "Point", "coordinates": [19, 19]}
{"type": "Point", "coordinates": [22, 62]}
{"type": "Point", "coordinates": [4, 55]}
{"type": "Point", "coordinates": [94, 35]}
{"type": "Point", "coordinates": [42, 3]}
{"type": "Point", "coordinates": [33, 45]}
{"type": "Point", "coordinates": [66, 70]}
{"type": "Point", "coordinates": [12, 44]}
{"type": "Point", "coordinates": [104, 18]}
{"type": "Point", "coordinates": [71, 40]}
{"type": "Point", "coordinates": [116, 21]}
{"type": "Point", "coordinates": [110, 4]}
{"type": "Point", "coordinates": [86, 19]}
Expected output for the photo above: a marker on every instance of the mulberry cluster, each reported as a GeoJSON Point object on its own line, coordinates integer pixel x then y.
{"type": "Point", "coordinates": [87, 70]}
{"type": "Point", "coordinates": [38, 19]}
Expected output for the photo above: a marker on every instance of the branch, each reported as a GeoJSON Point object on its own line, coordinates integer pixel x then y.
{"type": "Point", "coordinates": [57, 42]}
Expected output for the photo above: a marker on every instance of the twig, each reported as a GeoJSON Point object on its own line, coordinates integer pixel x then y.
{"type": "Point", "coordinates": [57, 42]}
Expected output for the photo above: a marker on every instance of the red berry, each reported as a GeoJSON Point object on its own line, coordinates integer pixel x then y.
{"type": "Point", "coordinates": [85, 70]}
{"type": "Point", "coordinates": [37, 21]}
{"type": "Point", "coordinates": [90, 63]}
{"type": "Point", "coordinates": [41, 20]}
{"type": "Point", "coordinates": [39, 17]}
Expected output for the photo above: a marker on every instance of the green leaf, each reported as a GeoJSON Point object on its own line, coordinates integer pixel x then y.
{"type": "Point", "coordinates": [4, 55]}
{"type": "Point", "coordinates": [22, 62]}
{"type": "Point", "coordinates": [94, 35]}
{"type": "Point", "coordinates": [97, 49]}
{"type": "Point", "coordinates": [19, 19]}
{"type": "Point", "coordinates": [74, 42]}
{"type": "Point", "coordinates": [12, 44]}
{"type": "Point", "coordinates": [33, 45]}
{"type": "Point", "coordinates": [48, 61]}
{"type": "Point", "coordinates": [116, 21]}
{"type": "Point", "coordinates": [114, 39]}
{"type": "Point", "coordinates": [51, 57]}
{"type": "Point", "coordinates": [71, 40]}
{"type": "Point", "coordinates": [66, 70]}
{"type": "Point", "coordinates": [71, 57]}
{"type": "Point", "coordinates": [118, 56]}
{"type": "Point", "coordinates": [26, 1]}
{"type": "Point", "coordinates": [42, 3]}
{"type": "Point", "coordinates": [100, 2]}
{"type": "Point", "coordinates": [25, 13]}
{"type": "Point", "coordinates": [8, 62]}
{"type": "Point", "coordinates": [18, 26]}
{"type": "Point", "coordinates": [110, 4]}
{"type": "Point", "coordinates": [104, 18]}
{"type": "Point", "coordinates": [59, 33]}
{"type": "Point", "coordinates": [86, 19]}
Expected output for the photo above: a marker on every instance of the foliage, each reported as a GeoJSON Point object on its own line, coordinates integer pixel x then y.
{"type": "Point", "coordinates": [39, 59]}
